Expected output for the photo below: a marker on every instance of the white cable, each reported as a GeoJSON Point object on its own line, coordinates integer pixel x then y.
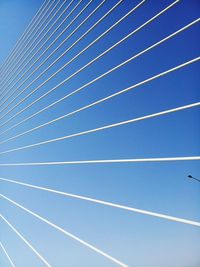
{"type": "Point", "coordinates": [25, 33]}
{"type": "Point", "coordinates": [27, 42]}
{"type": "Point", "coordinates": [40, 48]}
{"type": "Point", "coordinates": [25, 241]}
{"type": "Point", "coordinates": [14, 76]}
{"type": "Point", "coordinates": [82, 68]}
{"type": "Point", "coordinates": [44, 52]}
{"type": "Point", "coordinates": [25, 48]}
{"type": "Point", "coordinates": [62, 55]}
{"type": "Point", "coordinates": [6, 253]}
{"type": "Point", "coordinates": [68, 234]}
{"type": "Point", "coordinates": [109, 126]}
{"type": "Point", "coordinates": [93, 103]}
{"type": "Point", "coordinates": [10, 72]}
{"type": "Point", "coordinates": [103, 161]}
{"type": "Point", "coordinates": [52, 53]}
{"type": "Point", "coordinates": [91, 62]}
{"type": "Point", "coordinates": [106, 203]}
{"type": "Point", "coordinates": [20, 40]}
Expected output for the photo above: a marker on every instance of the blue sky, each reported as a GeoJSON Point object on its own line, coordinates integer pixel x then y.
{"type": "Point", "coordinates": [135, 239]}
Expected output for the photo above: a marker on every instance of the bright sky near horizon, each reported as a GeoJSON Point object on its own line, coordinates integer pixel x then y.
{"type": "Point", "coordinates": [163, 187]}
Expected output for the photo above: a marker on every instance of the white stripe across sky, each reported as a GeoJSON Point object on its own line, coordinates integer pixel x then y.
{"type": "Point", "coordinates": [58, 28]}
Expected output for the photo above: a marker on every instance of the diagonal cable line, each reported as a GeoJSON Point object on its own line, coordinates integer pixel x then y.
{"type": "Point", "coordinates": [38, 26]}
{"type": "Point", "coordinates": [66, 233]}
{"type": "Point", "coordinates": [66, 51]}
{"type": "Point", "coordinates": [103, 202]}
{"type": "Point", "coordinates": [55, 50]}
{"type": "Point", "coordinates": [145, 212]}
{"type": "Point", "coordinates": [102, 54]}
{"type": "Point", "coordinates": [7, 255]}
{"type": "Point", "coordinates": [14, 75]}
{"type": "Point", "coordinates": [26, 241]}
{"type": "Point", "coordinates": [109, 126]}
{"type": "Point", "coordinates": [46, 50]}
{"type": "Point", "coordinates": [24, 35]}
{"type": "Point", "coordinates": [96, 102]}
{"type": "Point", "coordinates": [102, 161]}
{"type": "Point", "coordinates": [21, 71]}
{"type": "Point", "coordinates": [51, 54]}
{"type": "Point", "coordinates": [82, 68]}
{"type": "Point", "coordinates": [26, 47]}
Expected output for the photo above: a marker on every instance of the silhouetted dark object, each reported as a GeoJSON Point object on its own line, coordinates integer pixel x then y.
{"type": "Point", "coordinates": [191, 177]}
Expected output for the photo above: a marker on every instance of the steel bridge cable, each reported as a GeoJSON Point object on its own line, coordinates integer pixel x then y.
{"type": "Point", "coordinates": [102, 128]}
{"type": "Point", "coordinates": [93, 103]}
{"type": "Point", "coordinates": [7, 255]}
{"type": "Point", "coordinates": [102, 161]}
{"type": "Point", "coordinates": [136, 210]}
{"type": "Point", "coordinates": [33, 35]}
{"type": "Point", "coordinates": [20, 40]}
{"type": "Point", "coordinates": [159, 215]}
{"type": "Point", "coordinates": [91, 62]}
{"type": "Point", "coordinates": [106, 98]}
{"type": "Point", "coordinates": [55, 50]}
{"type": "Point", "coordinates": [39, 49]}
{"type": "Point", "coordinates": [25, 33]}
{"type": "Point", "coordinates": [25, 241]}
{"type": "Point", "coordinates": [66, 233]}
{"type": "Point", "coordinates": [38, 67]}
{"type": "Point", "coordinates": [85, 66]}
{"type": "Point", "coordinates": [103, 202]}
{"type": "Point", "coordinates": [101, 100]}
{"type": "Point", "coordinates": [28, 45]}
{"type": "Point", "coordinates": [66, 51]}
{"type": "Point", "coordinates": [14, 76]}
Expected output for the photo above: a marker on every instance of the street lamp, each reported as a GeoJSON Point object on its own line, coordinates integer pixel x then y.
{"type": "Point", "coordinates": [191, 177]}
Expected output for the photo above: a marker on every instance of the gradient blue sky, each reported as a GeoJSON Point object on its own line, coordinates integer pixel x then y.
{"type": "Point", "coordinates": [136, 239]}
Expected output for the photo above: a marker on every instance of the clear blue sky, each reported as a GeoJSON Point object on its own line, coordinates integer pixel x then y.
{"type": "Point", "coordinates": [136, 239]}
